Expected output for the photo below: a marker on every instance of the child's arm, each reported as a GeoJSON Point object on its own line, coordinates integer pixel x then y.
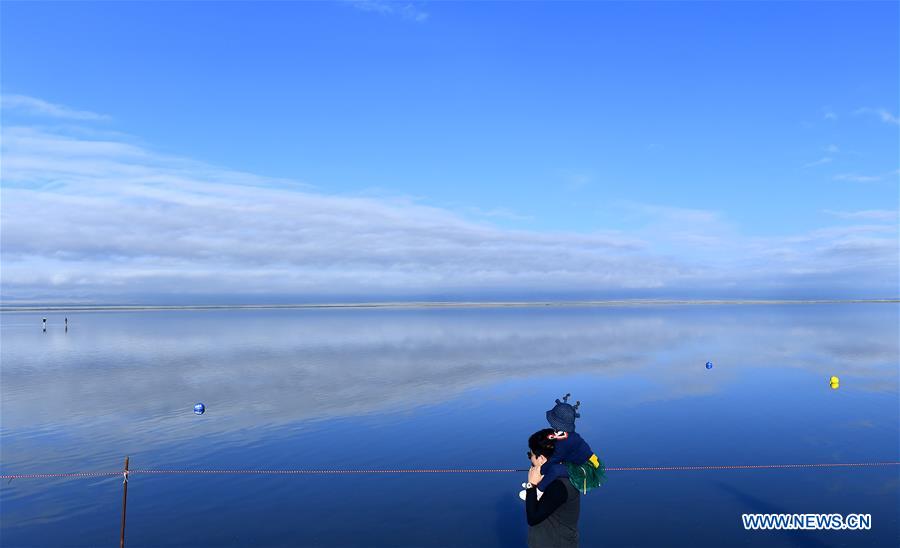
{"type": "Point", "coordinates": [553, 472]}
{"type": "Point", "coordinates": [548, 466]}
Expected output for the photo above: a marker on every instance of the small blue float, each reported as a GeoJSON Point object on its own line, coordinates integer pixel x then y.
{"type": "Point", "coordinates": [199, 409]}
{"type": "Point", "coordinates": [709, 365]}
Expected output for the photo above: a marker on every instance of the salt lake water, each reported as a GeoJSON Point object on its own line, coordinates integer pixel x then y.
{"type": "Point", "coordinates": [445, 388]}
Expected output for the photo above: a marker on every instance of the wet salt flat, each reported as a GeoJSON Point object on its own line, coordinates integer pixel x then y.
{"type": "Point", "coordinates": [445, 388]}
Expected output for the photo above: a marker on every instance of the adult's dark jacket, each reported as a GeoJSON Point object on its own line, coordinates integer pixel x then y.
{"type": "Point", "coordinates": [553, 520]}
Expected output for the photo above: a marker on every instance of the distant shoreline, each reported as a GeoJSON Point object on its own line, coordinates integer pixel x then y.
{"type": "Point", "coordinates": [444, 304]}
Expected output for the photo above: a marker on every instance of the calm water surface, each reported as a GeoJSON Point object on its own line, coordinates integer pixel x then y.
{"type": "Point", "coordinates": [445, 388]}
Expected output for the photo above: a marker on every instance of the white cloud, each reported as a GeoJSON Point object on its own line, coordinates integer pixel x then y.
{"type": "Point", "coordinates": [499, 213]}
{"type": "Point", "coordinates": [406, 10]}
{"type": "Point", "coordinates": [38, 107]}
{"type": "Point", "coordinates": [855, 178]}
{"type": "Point", "coordinates": [671, 214]}
{"type": "Point", "coordinates": [869, 214]}
{"type": "Point", "coordinates": [103, 219]}
{"type": "Point", "coordinates": [884, 114]}
{"type": "Point", "coordinates": [105, 216]}
{"type": "Point", "coordinates": [819, 162]}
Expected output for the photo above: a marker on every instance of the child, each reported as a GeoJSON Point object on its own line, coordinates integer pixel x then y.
{"type": "Point", "coordinates": [571, 449]}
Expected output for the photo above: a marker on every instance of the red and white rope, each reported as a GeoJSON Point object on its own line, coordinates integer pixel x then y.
{"type": "Point", "coordinates": [450, 470]}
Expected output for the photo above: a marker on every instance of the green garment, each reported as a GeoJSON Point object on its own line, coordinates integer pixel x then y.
{"type": "Point", "coordinates": [586, 477]}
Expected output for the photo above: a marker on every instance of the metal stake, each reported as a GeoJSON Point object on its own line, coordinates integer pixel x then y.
{"type": "Point", "coordinates": [124, 501]}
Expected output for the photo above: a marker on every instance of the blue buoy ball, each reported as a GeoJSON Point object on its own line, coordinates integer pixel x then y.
{"type": "Point", "coordinates": [199, 409]}
{"type": "Point", "coordinates": [709, 365]}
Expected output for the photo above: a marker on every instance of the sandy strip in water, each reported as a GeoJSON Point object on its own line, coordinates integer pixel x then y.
{"type": "Point", "coordinates": [522, 304]}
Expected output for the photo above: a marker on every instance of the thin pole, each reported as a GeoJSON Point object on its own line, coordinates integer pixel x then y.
{"type": "Point", "coordinates": [124, 501]}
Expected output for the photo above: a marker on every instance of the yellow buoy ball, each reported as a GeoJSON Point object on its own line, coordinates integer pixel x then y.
{"type": "Point", "coordinates": [835, 383]}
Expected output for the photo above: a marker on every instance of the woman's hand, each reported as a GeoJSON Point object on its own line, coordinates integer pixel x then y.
{"type": "Point", "coordinates": [534, 475]}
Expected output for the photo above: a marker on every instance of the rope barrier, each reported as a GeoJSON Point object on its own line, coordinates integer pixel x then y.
{"type": "Point", "coordinates": [753, 466]}
{"type": "Point", "coordinates": [61, 475]}
{"type": "Point", "coordinates": [448, 470]}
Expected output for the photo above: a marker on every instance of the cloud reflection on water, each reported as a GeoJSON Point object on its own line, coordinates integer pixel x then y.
{"type": "Point", "coordinates": [117, 376]}
{"type": "Point", "coordinates": [286, 366]}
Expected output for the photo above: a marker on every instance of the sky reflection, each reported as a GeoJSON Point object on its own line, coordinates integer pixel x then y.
{"type": "Point", "coordinates": [333, 388]}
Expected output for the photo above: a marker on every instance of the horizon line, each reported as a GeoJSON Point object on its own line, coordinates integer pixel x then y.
{"type": "Point", "coordinates": [440, 304]}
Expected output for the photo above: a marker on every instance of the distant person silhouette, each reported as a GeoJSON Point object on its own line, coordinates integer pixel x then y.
{"type": "Point", "coordinates": [45, 324]}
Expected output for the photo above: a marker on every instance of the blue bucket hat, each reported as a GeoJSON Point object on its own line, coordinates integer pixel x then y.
{"type": "Point", "coordinates": [563, 415]}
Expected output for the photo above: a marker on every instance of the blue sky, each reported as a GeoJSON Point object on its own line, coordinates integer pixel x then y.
{"type": "Point", "coordinates": [463, 150]}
